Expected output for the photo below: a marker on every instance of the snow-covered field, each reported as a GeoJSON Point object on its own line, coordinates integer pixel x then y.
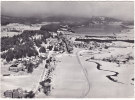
{"type": "Point", "coordinates": [8, 30]}
{"type": "Point", "coordinates": [110, 80]}
{"type": "Point", "coordinates": [77, 75]}
{"type": "Point", "coordinates": [70, 80]}
{"type": "Point", "coordinates": [26, 82]}
{"type": "Point", "coordinates": [101, 85]}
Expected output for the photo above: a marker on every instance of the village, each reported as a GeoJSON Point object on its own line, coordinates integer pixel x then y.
{"type": "Point", "coordinates": [26, 65]}
{"type": "Point", "coordinates": [58, 44]}
{"type": "Point", "coordinates": [67, 49]}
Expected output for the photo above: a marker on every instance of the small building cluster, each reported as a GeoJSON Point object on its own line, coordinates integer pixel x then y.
{"type": "Point", "coordinates": [22, 65]}
{"type": "Point", "coordinates": [16, 93]}
{"type": "Point", "coordinates": [19, 93]}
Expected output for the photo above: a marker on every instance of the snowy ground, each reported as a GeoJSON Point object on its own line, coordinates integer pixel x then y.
{"type": "Point", "coordinates": [26, 82]}
{"type": "Point", "coordinates": [101, 86]}
{"type": "Point", "coordinates": [75, 78]}
{"type": "Point", "coordinates": [6, 30]}
{"type": "Point", "coordinates": [70, 80]}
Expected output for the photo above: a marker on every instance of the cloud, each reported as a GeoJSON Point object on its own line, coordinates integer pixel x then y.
{"type": "Point", "coordinates": [121, 10]}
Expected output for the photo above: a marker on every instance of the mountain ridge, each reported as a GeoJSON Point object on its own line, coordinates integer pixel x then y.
{"type": "Point", "coordinates": [64, 19]}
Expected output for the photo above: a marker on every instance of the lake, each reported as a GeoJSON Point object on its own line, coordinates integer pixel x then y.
{"type": "Point", "coordinates": [98, 29]}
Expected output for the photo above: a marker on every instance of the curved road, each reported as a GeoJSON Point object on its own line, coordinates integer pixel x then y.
{"type": "Point", "coordinates": [35, 90]}
{"type": "Point", "coordinates": [85, 73]}
{"type": "Point", "coordinates": [42, 77]}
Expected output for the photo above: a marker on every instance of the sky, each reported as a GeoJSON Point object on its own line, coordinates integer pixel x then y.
{"type": "Point", "coordinates": [121, 10]}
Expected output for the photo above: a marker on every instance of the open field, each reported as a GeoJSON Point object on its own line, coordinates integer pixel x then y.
{"type": "Point", "coordinates": [67, 49]}
{"type": "Point", "coordinates": [100, 82]}
{"type": "Point", "coordinates": [27, 82]}
{"type": "Point", "coordinates": [70, 79]}
{"type": "Point", "coordinates": [87, 66]}
{"type": "Point", "coordinates": [88, 73]}
{"type": "Point", "coordinates": [83, 73]}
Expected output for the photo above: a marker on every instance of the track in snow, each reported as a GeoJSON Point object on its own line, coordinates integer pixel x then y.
{"type": "Point", "coordinates": [86, 75]}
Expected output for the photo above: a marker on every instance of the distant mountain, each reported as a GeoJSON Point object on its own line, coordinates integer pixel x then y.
{"type": "Point", "coordinates": [73, 21]}
{"type": "Point", "coordinates": [65, 19]}
{"type": "Point", "coordinates": [128, 23]}
{"type": "Point", "coordinates": [80, 21]}
{"type": "Point", "coordinates": [22, 20]}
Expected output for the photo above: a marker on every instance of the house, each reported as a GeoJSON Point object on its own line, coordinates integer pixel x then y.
{"type": "Point", "coordinates": [43, 55]}
{"type": "Point", "coordinates": [8, 93]}
{"type": "Point", "coordinates": [17, 93]}
{"type": "Point", "coordinates": [16, 67]}
{"type": "Point", "coordinates": [13, 68]}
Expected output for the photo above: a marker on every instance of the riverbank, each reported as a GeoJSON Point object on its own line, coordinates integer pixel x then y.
{"type": "Point", "coordinates": [106, 81]}
{"type": "Point", "coordinates": [110, 79]}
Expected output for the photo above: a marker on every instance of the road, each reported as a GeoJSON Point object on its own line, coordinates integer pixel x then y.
{"type": "Point", "coordinates": [74, 77]}
{"type": "Point", "coordinates": [85, 73]}
{"type": "Point", "coordinates": [35, 89]}
{"type": "Point", "coordinates": [43, 74]}
{"type": "Point", "coordinates": [69, 78]}
{"type": "Point", "coordinates": [63, 79]}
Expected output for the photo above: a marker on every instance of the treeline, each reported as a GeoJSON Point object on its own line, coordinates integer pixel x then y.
{"type": "Point", "coordinates": [22, 20]}
{"type": "Point", "coordinates": [51, 27]}
{"type": "Point", "coordinates": [56, 27]}
{"type": "Point", "coordinates": [26, 36]}
{"type": "Point", "coordinates": [22, 45]}
{"type": "Point", "coordinates": [20, 51]}
{"type": "Point", "coordinates": [69, 45]}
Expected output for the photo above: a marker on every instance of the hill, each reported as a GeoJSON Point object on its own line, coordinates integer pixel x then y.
{"type": "Point", "coordinates": [63, 19]}
{"type": "Point", "coordinates": [22, 20]}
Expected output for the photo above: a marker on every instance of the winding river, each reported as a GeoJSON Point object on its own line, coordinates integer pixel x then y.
{"type": "Point", "coordinates": [110, 77]}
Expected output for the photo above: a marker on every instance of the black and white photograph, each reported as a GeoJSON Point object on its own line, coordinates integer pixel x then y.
{"type": "Point", "coordinates": [67, 49]}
